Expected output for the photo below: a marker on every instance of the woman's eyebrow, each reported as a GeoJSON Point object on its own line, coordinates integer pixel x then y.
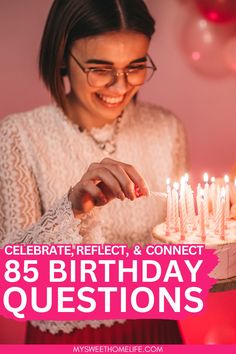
{"type": "Point", "coordinates": [106, 62]}
{"type": "Point", "coordinates": [99, 61]}
{"type": "Point", "coordinates": [139, 60]}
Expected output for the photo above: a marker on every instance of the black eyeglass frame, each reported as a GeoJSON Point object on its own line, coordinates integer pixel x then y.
{"type": "Point", "coordinates": [114, 71]}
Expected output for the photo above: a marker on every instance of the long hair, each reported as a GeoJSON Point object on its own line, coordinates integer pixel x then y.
{"type": "Point", "coordinates": [70, 20]}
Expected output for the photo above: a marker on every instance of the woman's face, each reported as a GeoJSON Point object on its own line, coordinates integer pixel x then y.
{"type": "Point", "coordinates": [117, 50]}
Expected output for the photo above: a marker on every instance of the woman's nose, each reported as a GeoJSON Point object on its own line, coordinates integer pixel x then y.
{"type": "Point", "coordinates": [119, 83]}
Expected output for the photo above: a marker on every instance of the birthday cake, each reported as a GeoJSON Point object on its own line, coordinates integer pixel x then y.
{"type": "Point", "coordinates": [205, 219]}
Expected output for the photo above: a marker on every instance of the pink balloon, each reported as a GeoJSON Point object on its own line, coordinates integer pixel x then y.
{"type": "Point", "coordinates": [230, 54]}
{"type": "Point", "coordinates": [218, 10]}
{"type": "Point", "coordinates": [203, 44]}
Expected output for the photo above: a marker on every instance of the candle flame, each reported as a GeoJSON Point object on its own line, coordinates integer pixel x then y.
{"type": "Point", "coordinates": [235, 182]}
{"type": "Point", "coordinates": [168, 181]}
{"type": "Point", "coordinates": [182, 180]}
{"type": "Point", "coordinates": [213, 179]}
{"type": "Point", "coordinates": [226, 179]}
{"type": "Point", "coordinates": [186, 176]}
{"type": "Point", "coordinates": [205, 177]}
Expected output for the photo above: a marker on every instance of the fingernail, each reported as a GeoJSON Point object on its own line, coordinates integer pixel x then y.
{"type": "Point", "coordinates": [100, 201]}
{"type": "Point", "coordinates": [131, 196]}
{"type": "Point", "coordinates": [146, 191]}
{"type": "Point", "coordinates": [121, 196]}
{"type": "Point", "coordinates": [104, 200]}
{"type": "Point", "coordinates": [137, 192]}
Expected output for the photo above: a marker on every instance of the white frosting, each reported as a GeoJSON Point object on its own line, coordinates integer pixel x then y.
{"type": "Point", "coordinates": [225, 248]}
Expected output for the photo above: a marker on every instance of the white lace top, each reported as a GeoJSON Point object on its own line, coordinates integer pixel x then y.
{"type": "Point", "coordinates": [42, 154]}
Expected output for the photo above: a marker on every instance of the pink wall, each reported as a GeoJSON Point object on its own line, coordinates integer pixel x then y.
{"type": "Point", "coordinates": [206, 106]}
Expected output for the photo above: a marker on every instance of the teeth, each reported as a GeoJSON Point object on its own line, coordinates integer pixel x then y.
{"type": "Point", "coordinates": [111, 100]}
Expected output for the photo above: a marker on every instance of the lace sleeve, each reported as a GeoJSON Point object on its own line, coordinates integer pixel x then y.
{"type": "Point", "coordinates": [180, 157]}
{"type": "Point", "coordinates": [21, 218]}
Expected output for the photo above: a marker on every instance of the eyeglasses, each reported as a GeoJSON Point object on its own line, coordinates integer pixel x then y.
{"type": "Point", "coordinates": [135, 75]}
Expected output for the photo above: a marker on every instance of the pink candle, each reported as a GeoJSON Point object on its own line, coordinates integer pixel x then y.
{"type": "Point", "coordinates": [186, 176]}
{"type": "Point", "coordinates": [213, 196]}
{"type": "Point", "coordinates": [218, 211]}
{"type": "Point", "coordinates": [169, 208]}
{"type": "Point", "coordinates": [201, 215]}
{"type": "Point", "coordinates": [172, 219]}
{"type": "Point", "coordinates": [206, 198]}
{"type": "Point", "coordinates": [183, 196]}
{"type": "Point", "coordinates": [183, 217]}
{"type": "Point", "coordinates": [227, 198]}
{"type": "Point", "coordinates": [191, 208]}
{"type": "Point", "coordinates": [222, 214]}
{"type": "Point", "coordinates": [175, 200]}
{"type": "Point", "coordinates": [233, 192]}
{"type": "Point", "coordinates": [198, 190]}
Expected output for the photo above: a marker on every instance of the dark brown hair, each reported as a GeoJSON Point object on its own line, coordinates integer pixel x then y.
{"type": "Point", "coordinates": [69, 20]}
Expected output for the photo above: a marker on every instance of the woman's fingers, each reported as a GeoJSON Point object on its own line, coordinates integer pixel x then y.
{"type": "Point", "coordinates": [85, 195]}
{"type": "Point", "coordinates": [139, 182]}
{"type": "Point", "coordinates": [113, 174]}
{"type": "Point", "coordinates": [105, 181]}
{"type": "Point", "coordinates": [123, 179]}
{"type": "Point", "coordinates": [102, 174]}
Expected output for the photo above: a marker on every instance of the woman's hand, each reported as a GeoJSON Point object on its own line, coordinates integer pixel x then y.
{"type": "Point", "coordinates": [105, 181]}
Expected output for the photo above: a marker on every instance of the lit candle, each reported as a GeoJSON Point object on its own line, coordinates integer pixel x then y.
{"type": "Point", "coordinates": [227, 198]}
{"type": "Point", "coordinates": [201, 214]}
{"type": "Point", "coordinates": [172, 219]}
{"type": "Point", "coordinates": [168, 187]}
{"type": "Point", "coordinates": [198, 190]}
{"type": "Point", "coordinates": [183, 192]}
{"type": "Point", "coordinates": [205, 177]}
{"type": "Point", "coordinates": [218, 210]}
{"type": "Point", "coordinates": [183, 182]}
{"type": "Point", "coordinates": [183, 217]}
{"type": "Point", "coordinates": [186, 176]}
{"type": "Point", "coordinates": [198, 199]}
{"type": "Point", "coordinates": [202, 217]}
{"type": "Point", "coordinates": [169, 207]}
{"type": "Point", "coordinates": [217, 218]}
{"type": "Point", "coordinates": [206, 197]}
{"type": "Point", "coordinates": [175, 200]}
{"type": "Point", "coordinates": [191, 208]}
{"type": "Point", "coordinates": [213, 196]}
{"type": "Point", "coordinates": [222, 214]}
{"type": "Point", "coordinates": [232, 192]}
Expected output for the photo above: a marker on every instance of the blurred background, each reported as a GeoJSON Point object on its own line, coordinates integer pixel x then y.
{"type": "Point", "coordinates": [194, 49]}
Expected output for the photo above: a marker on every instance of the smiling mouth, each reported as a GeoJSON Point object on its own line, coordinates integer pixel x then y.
{"type": "Point", "coordinates": [110, 100]}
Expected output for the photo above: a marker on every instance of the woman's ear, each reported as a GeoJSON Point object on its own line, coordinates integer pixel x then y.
{"type": "Point", "coordinates": [67, 85]}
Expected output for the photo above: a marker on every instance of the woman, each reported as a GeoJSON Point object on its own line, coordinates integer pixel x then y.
{"type": "Point", "coordinates": [98, 140]}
